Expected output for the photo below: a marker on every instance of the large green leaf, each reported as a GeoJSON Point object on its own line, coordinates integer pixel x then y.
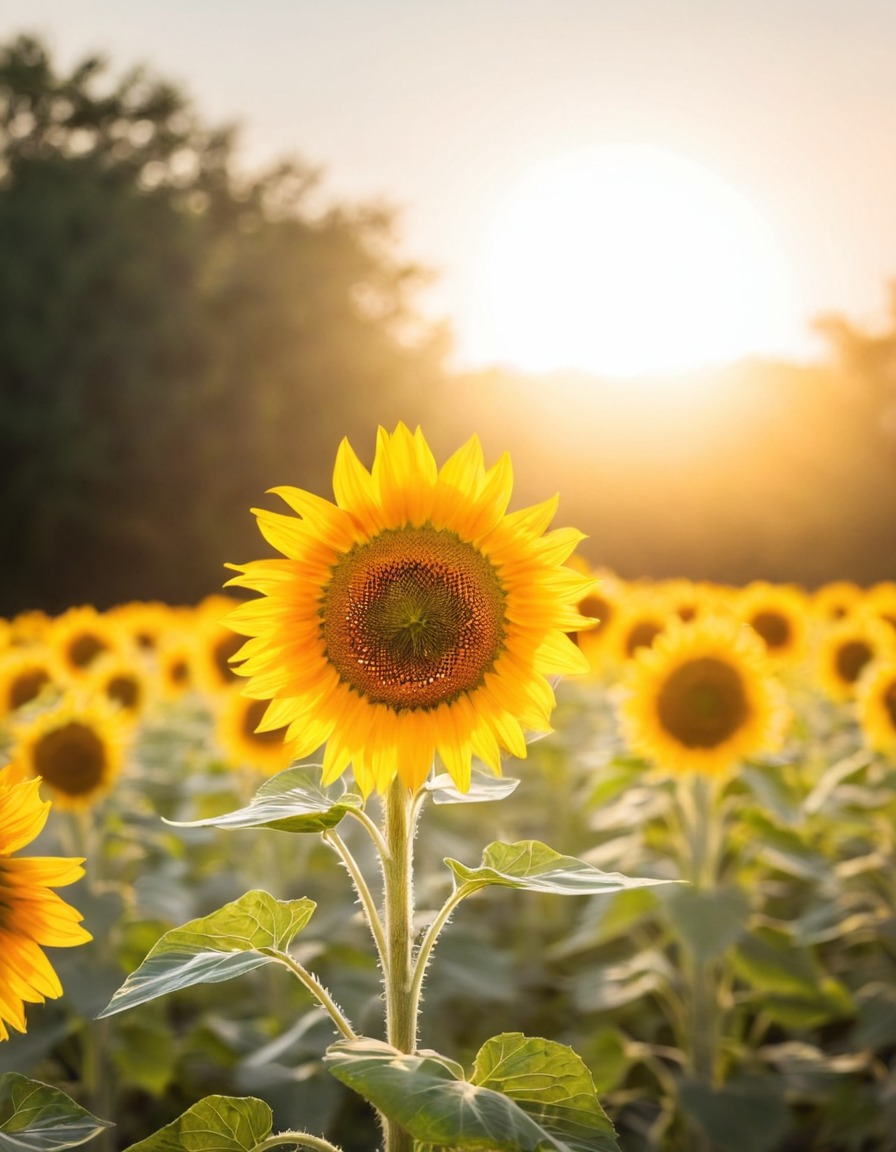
{"type": "Point", "coordinates": [215, 1124]}
{"type": "Point", "coordinates": [535, 867]}
{"type": "Point", "coordinates": [291, 801]}
{"type": "Point", "coordinates": [531, 1097]}
{"type": "Point", "coordinates": [550, 1083]}
{"type": "Point", "coordinates": [707, 921]}
{"type": "Point", "coordinates": [256, 929]}
{"type": "Point", "coordinates": [35, 1117]}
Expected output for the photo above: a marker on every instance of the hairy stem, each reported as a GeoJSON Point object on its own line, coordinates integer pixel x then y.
{"type": "Point", "coordinates": [398, 899]}
{"type": "Point", "coordinates": [317, 990]}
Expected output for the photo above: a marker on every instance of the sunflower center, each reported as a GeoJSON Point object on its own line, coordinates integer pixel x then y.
{"type": "Point", "coordinates": [852, 656]}
{"type": "Point", "coordinates": [772, 627]}
{"type": "Point", "coordinates": [703, 703]}
{"type": "Point", "coordinates": [413, 618]}
{"type": "Point", "coordinates": [84, 648]}
{"type": "Point", "coordinates": [642, 635]}
{"type": "Point", "coordinates": [124, 690]}
{"type": "Point", "coordinates": [26, 686]}
{"type": "Point", "coordinates": [72, 759]}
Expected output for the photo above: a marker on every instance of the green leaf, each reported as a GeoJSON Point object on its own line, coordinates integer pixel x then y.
{"type": "Point", "coordinates": [291, 801]}
{"type": "Point", "coordinates": [707, 922]}
{"type": "Point", "coordinates": [482, 788]}
{"type": "Point", "coordinates": [36, 1117]}
{"type": "Point", "coordinates": [215, 1124]}
{"type": "Point", "coordinates": [533, 866]}
{"type": "Point", "coordinates": [793, 987]}
{"type": "Point", "coordinates": [550, 1083]}
{"type": "Point", "coordinates": [242, 935]}
{"type": "Point", "coordinates": [748, 1115]}
{"type": "Point", "coordinates": [541, 1100]}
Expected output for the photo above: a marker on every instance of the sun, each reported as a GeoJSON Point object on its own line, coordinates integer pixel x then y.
{"type": "Point", "coordinates": [625, 260]}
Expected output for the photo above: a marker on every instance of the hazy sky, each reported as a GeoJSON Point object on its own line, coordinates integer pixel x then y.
{"type": "Point", "coordinates": [442, 106]}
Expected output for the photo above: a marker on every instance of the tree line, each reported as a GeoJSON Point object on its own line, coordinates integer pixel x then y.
{"type": "Point", "coordinates": [177, 336]}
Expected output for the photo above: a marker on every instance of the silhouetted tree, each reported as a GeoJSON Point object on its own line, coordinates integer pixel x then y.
{"type": "Point", "coordinates": [174, 339]}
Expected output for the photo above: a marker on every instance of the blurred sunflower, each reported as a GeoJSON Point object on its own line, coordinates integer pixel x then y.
{"type": "Point", "coordinates": [24, 674]}
{"type": "Point", "coordinates": [79, 636]}
{"type": "Point", "coordinates": [412, 617]}
{"type": "Point", "coordinates": [701, 698]}
{"type": "Point", "coordinates": [32, 917]}
{"type": "Point", "coordinates": [215, 645]}
{"type": "Point", "coordinates": [876, 706]}
{"type": "Point", "coordinates": [241, 740]}
{"type": "Point", "coordinates": [121, 680]}
{"type": "Point", "coordinates": [849, 647]}
{"type": "Point", "coordinates": [175, 666]}
{"type": "Point", "coordinates": [642, 617]}
{"type": "Point", "coordinates": [144, 623]}
{"type": "Point", "coordinates": [836, 599]}
{"type": "Point", "coordinates": [881, 600]}
{"type": "Point", "coordinates": [603, 606]}
{"type": "Point", "coordinates": [77, 747]}
{"type": "Point", "coordinates": [778, 614]}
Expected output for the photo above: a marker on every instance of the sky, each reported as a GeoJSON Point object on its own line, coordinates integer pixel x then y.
{"type": "Point", "coordinates": [773, 119]}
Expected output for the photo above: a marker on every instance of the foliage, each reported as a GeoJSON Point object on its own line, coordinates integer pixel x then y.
{"type": "Point", "coordinates": [166, 325]}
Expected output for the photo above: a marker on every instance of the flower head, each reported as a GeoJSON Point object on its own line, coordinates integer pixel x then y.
{"type": "Point", "coordinates": [413, 617]}
{"type": "Point", "coordinates": [32, 917]}
{"type": "Point", "coordinates": [702, 698]}
{"type": "Point", "coordinates": [76, 747]}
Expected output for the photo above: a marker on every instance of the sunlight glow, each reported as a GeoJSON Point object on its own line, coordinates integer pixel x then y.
{"type": "Point", "coordinates": [626, 260]}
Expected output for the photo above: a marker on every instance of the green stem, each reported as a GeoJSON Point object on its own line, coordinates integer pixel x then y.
{"type": "Point", "coordinates": [700, 804]}
{"type": "Point", "coordinates": [428, 942]}
{"type": "Point", "coordinates": [360, 884]}
{"type": "Point", "coordinates": [302, 1139]}
{"type": "Point", "coordinates": [375, 835]}
{"type": "Point", "coordinates": [316, 989]}
{"type": "Point", "coordinates": [398, 900]}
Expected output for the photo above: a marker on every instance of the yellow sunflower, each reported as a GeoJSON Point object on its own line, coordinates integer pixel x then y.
{"type": "Point", "coordinates": [881, 600]}
{"type": "Point", "coordinates": [77, 747]}
{"type": "Point", "coordinates": [701, 698]}
{"type": "Point", "coordinates": [25, 673]}
{"type": "Point", "coordinates": [242, 742]}
{"type": "Point", "coordinates": [848, 648]}
{"type": "Point", "coordinates": [79, 636]}
{"type": "Point", "coordinates": [778, 614]}
{"type": "Point", "coordinates": [876, 706]}
{"type": "Point", "coordinates": [122, 680]}
{"type": "Point", "coordinates": [215, 645]}
{"type": "Point", "coordinates": [412, 617]}
{"type": "Point", "coordinates": [32, 917]}
{"type": "Point", "coordinates": [836, 599]}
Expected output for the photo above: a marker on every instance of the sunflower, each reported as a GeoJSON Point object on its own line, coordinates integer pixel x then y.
{"type": "Point", "coordinates": [144, 623]}
{"type": "Point", "coordinates": [701, 698]}
{"type": "Point", "coordinates": [412, 617]}
{"type": "Point", "coordinates": [215, 645]}
{"type": "Point", "coordinates": [77, 748]}
{"type": "Point", "coordinates": [848, 648]}
{"type": "Point", "coordinates": [121, 680]}
{"type": "Point", "coordinates": [25, 673]}
{"type": "Point", "coordinates": [876, 706]}
{"type": "Point", "coordinates": [602, 605]}
{"type": "Point", "coordinates": [642, 616]}
{"type": "Point", "coordinates": [836, 599]}
{"type": "Point", "coordinates": [32, 917]}
{"type": "Point", "coordinates": [238, 734]}
{"type": "Point", "coordinates": [778, 614]}
{"type": "Point", "coordinates": [79, 636]}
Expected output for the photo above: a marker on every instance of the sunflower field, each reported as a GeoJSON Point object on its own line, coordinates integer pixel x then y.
{"type": "Point", "coordinates": [704, 772]}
